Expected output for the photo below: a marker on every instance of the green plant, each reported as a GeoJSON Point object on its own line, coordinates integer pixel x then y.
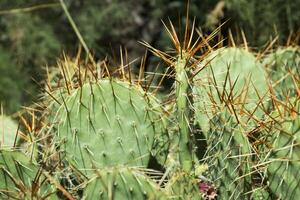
{"type": "Point", "coordinates": [122, 183]}
{"type": "Point", "coordinates": [231, 76]}
{"type": "Point", "coordinates": [21, 178]}
{"type": "Point", "coordinates": [98, 131]}
{"type": "Point", "coordinates": [283, 69]}
{"type": "Point", "coordinates": [229, 153]}
{"type": "Point", "coordinates": [10, 72]}
{"type": "Point", "coordinates": [263, 20]}
{"type": "Point", "coordinates": [282, 153]}
{"type": "Point", "coordinates": [119, 116]}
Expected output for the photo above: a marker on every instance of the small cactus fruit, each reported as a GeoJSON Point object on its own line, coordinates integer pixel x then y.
{"type": "Point", "coordinates": [8, 131]}
{"type": "Point", "coordinates": [283, 67]}
{"type": "Point", "coordinates": [108, 123]}
{"type": "Point", "coordinates": [122, 183]}
{"type": "Point", "coordinates": [284, 156]}
{"type": "Point", "coordinates": [228, 156]}
{"type": "Point", "coordinates": [21, 179]}
{"type": "Point", "coordinates": [233, 74]}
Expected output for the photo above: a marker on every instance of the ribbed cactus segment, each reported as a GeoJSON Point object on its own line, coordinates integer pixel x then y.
{"type": "Point", "coordinates": [228, 156]}
{"type": "Point", "coordinates": [109, 123]}
{"type": "Point", "coordinates": [8, 131]}
{"type": "Point", "coordinates": [229, 74]}
{"type": "Point", "coordinates": [122, 183]}
{"type": "Point", "coordinates": [20, 178]}
{"type": "Point", "coordinates": [283, 67]}
{"type": "Point", "coordinates": [283, 170]}
{"type": "Point", "coordinates": [183, 112]}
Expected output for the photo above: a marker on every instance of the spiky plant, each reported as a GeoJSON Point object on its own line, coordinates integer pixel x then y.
{"type": "Point", "coordinates": [122, 183]}
{"type": "Point", "coordinates": [97, 130]}
{"type": "Point", "coordinates": [283, 67]}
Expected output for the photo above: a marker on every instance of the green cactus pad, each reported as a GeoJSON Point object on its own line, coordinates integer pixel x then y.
{"type": "Point", "coordinates": [230, 74]}
{"type": "Point", "coordinates": [122, 183]}
{"type": "Point", "coordinates": [283, 170]}
{"type": "Point", "coordinates": [280, 64]}
{"type": "Point", "coordinates": [109, 123]}
{"type": "Point", "coordinates": [228, 156]}
{"type": "Point", "coordinates": [21, 179]}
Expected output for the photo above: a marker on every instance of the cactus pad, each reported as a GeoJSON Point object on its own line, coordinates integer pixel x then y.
{"type": "Point", "coordinates": [229, 74]}
{"type": "Point", "coordinates": [108, 123]}
{"type": "Point", "coordinates": [122, 183]}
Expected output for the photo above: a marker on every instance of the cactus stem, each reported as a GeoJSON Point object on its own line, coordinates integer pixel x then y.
{"type": "Point", "coordinates": [183, 110]}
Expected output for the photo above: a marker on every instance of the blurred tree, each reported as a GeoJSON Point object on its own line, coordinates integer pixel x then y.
{"type": "Point", "coordinates": [11, 82]}
{"type": "Point", "coordinates": [262, 20]}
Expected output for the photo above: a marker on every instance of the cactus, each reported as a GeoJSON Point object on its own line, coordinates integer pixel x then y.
{"type": "Point", "coordinates": [21, 178]}
{"type": "Point", "coordinates": [283, 67]}
{"type": "Point", "coordinates": [8, 131]}
{"type": "Point", "coordinates": [283, 153]}
{"type": "Point", "coordinates": [97, 133]}
{"type": "Point", "coordinates": [183, 186]}
{"type": "Point", "coordinates": [183, 111]}
{"type": "Point", "coordinates": [108, 123]}
{"type": "Point", "coordinates": [122, 183]}
{"type": "Point", "coordinates": [228, 155]}
{"type": "Point", "coordinates": [233, 74]}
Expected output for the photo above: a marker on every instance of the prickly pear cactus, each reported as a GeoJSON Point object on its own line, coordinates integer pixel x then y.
{"type": "Point", "coordinates": [8, 131]}
{"type": "Point", "coordinates": [229, 74]}
{"type": "Point", "coordinates": [228, 156]}
{"type": "Point", "coordinates": [283, 67]}
{"type": "Point", "coordinates": [108, 123]}
{"type": "Point", "coordinates": [21, 179]}
{"type": "Point", "coordinates": [283, 170]}
{"type": "Point", "coordinates": [122, 183]}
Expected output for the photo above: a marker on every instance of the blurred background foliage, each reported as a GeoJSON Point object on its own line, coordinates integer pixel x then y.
{"type": "Point", "coordinates": [33, 38]}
